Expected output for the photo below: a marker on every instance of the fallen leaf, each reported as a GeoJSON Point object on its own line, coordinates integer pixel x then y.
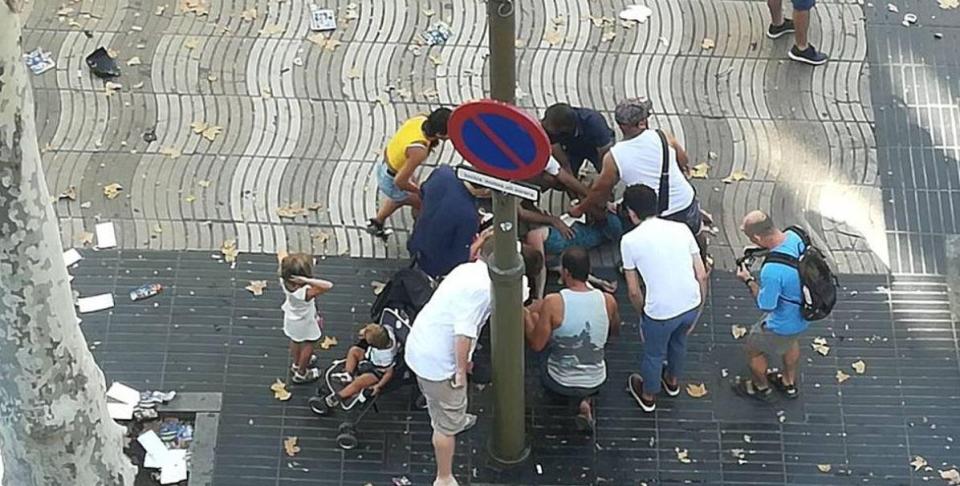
{"type": "Point", "coordinates": [699, 171]}
{"type": "Point", "coordinates": [859, 366]}
{"type": "Point", "coordinates": [698, 390]}
{"type": "Point", "coordinates": [738, 331]}
{"type": "Point", "coordinates": [608, 36]}
{"type": "Point", "coordinates": [597, 21]}
{"type": "Point", "coordinates": [85, 238]}
{"type": "Point", "coordinates": [205, 130]}
{"type": "Point", "coordinates": [328, 342]}
{"type": "Point", "coordinates": [747, 438]}
{"type": "Point", "coordinates": [735, 176]}
{"type": "Point", "coordinates": [197, 7]}
{"type": "Point", "coordinates": [86, 205]}
{"type": "Point", "coordinates": [683, 455]}
{"type": "Point", "coordinates": [110, 87]}
{"type": "Point", "coordinates": [842, 377]}
{"type": "Point", "coordinates": [436, 59]}
{"type": "Point", "coordinates": [948, 4]}
{"type": "Point", "coordinates": [291, 211]}
{"type": "Point", "coordinates": [69, 193]}
{"type": "Point", "coordinates": [160, 9]}
{"type": "Point", "coordinates": [290, 446]}
{"type": "Point", "coordinates": [820, 345]}
{"type": "Point", "coordinates": [203, 183]}
{"type": "Point", "coordinates": [350, 12]}
{"type": "Point", "coordinates": [64, 11]}
{"type": "Point", "coordinates": [112, 190]}
{"type": "Point", "coordinates": [559, 20]}
{"type": "Point", "coordinates": [256, 286]}
{"type": "Point", "coordinates": [708, 44]}
{"type": "Point", "coordinates": [331, 44]}
{"type": "Point", "coordinates": [133, 61]}
{"type": "Point", "coordinates": [918, 463]}
{"type": "Point", "coordinates": [191, 43]}
{"type": "Point", "coordinates": [952, 476]}
{"type": "Point", "coordinates": [428, 12]}
{"type": "Point", "coordinates": [279, 390]}
{"type": "Point", "coordinates": [157, 229]}
{"type": "Point", "coordinates": [328, 43]}
{"type": "Point", "coordinates": [353, 73]}
{"type": "Point", "coordinates": [190, 198]}
{"type": "Point", "coordinates": [229, 250]}
{"type": "Point", "coordinates": [518, 43]}
{"type": "Point", "coordinates": [272, 29]}
{"type": "Point", "coordinates": [138, 85]}
{"type": "Point", "coordinates": [169, 152]}
{"type": "Point", "coordinates": [315, 206]}
{"type": "Point", "coordinates": [553, 37]}
{"type": "Point", "coordinates": [320, 235]}
{"type": "Point", "coordinates": [249, 14]}
{"type": "Point", "coordinates": [377, 287]}
{"type": "Point", "coordinates": [113, 52]}
{"type": "Point", "coordinates": [824, 468]}
{"type": "Point", "coordinates": [712, 155]}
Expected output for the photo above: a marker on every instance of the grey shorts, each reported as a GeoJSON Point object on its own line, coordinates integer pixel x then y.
{"type": "Point", "coordinates": [446, 405]}
{"type": "Point", "coordinates": [763, 340]}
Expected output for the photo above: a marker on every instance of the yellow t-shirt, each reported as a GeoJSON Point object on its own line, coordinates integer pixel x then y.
{"type": "Point", "coordinates": [410, 133]}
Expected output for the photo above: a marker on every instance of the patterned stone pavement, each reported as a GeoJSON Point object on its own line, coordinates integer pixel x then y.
{"type": "Point", "coordinates": [304, 118]}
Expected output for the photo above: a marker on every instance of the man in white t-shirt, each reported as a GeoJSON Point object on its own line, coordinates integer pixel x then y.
{"type": "Point", "coordinates": [440, 347]}
{"type": "Point", "coordinates": [666, 282]}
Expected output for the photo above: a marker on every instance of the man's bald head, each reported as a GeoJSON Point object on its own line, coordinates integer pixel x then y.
{"type": "Point", "coordinates": [757, 224]}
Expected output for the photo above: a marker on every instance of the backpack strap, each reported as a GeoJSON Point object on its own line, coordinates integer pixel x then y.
{"type": "Point", "coordinates": [785, 259]}
{"type": "Point", "coordinates": [802, 233]}
{"type": "Point", "coordinates": [663, 195]}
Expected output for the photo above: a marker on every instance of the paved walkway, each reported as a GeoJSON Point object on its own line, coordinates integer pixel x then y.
{"type": "Point", "coordinates": [304, 123]}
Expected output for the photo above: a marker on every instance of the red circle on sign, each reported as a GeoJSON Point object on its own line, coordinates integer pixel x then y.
{"type": "Point", "coordinates": [470, 114]}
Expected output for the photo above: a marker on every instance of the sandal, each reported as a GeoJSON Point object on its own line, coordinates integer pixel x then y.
{"type": "Point", "coordinates": [747, 388]}
{"type": "Point", "coordinates": [790, 391]}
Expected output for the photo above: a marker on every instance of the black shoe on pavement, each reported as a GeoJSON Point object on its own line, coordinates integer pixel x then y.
{"type": "Point", "coordinates": [748, 389]}
{"type": "Point", "coordinates": [376, 228]}
{"type": "Point", "coordinates": [635, 388]}
{"type": "Point", "coordinates": [810, 55]}
{"type": "Point", "coordinates": [777, 31]}
{"type": "Point", "coordinates": [776, 379]}
{"type": "Point", "coordinates": [671, 391]}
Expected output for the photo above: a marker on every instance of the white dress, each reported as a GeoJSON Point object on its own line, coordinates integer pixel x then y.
{"type": "Point", "coordinates": [300, 319]}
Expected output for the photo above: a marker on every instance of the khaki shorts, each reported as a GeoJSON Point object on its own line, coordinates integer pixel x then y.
{"type": "Point", "coordinates": [446, 405]}
{"type": "Point", "coordinates": [762, 340]}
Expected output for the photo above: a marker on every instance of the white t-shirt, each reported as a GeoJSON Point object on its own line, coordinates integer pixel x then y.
{"type": "Point", "coordinates": [640, 161]}
{"type": "Point", "coordinates": [662, 252]}
{"type": "Point", "coordinates": [459, 307]}
{"type": "Point", "coordinates": [552, 167]}
{"type": "Point", "coordinates": [383, 358]}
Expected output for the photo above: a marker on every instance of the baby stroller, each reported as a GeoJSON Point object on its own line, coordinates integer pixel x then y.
{"type": "Point", "coordinates": [395, 308]}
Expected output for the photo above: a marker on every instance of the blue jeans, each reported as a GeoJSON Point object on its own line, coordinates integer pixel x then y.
{"type": "Point", "coordinates": [664, 340]}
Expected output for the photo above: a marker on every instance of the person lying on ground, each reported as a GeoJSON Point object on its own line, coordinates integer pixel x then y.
{"type": "Point", "coordinates": [573, 325]}
{"type": "Point", "coordinates": [369, 365]}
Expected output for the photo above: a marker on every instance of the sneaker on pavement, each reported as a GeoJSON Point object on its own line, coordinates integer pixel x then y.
{"type": "Point", "coordinates": [810, 55]}
{"type": "Point", "coordinates": [776, 31]}
{"type": "Point", "coordinates": [312, 374]}
{"type": "Point", "coordinates": [376, 228]}
{"type": "Point", "coordinates": [332, 400]}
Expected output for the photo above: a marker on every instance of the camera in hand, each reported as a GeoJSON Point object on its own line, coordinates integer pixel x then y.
{"type": "Point", "coordinates": [750, 255]}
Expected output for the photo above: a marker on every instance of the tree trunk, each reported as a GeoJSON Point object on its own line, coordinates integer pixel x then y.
{"type": "Point", "coordinates": [54, 426]}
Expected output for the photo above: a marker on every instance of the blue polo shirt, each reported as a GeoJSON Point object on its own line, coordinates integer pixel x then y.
{"type": "Point", "coordinates": [447, 223]}
{"type": "Point", "coordinates": [780, 293]}
{"type": "Point", "coordinates": [592, 133]}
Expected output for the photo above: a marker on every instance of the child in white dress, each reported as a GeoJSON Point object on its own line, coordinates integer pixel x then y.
{"type": "Point", "coordinates": [301, 321]}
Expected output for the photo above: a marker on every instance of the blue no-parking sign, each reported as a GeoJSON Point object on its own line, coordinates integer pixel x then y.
{"type": "Point", "coordinates": [499, 139]}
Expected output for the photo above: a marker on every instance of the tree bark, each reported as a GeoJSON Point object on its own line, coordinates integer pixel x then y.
{"type": "Point", "coordinates": [54, 426]}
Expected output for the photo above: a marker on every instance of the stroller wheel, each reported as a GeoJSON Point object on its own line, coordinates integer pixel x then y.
{"type": "Point", "coordinates": [346, 428]}
{"type": "Point", "coordinates": [319, 406]}
{"type": "Point", "coordinates": [347, 441]}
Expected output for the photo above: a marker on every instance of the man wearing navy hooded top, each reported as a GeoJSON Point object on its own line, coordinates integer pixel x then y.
{"type": "Point", "coordinates": [447, 224]}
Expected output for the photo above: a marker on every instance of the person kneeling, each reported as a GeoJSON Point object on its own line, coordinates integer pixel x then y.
{"type": "Point", "coordinates": [575, 323]}
{"type": "Point", "coordinates": [369, 366]}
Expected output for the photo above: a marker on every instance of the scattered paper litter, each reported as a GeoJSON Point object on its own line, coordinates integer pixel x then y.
{"type": "Point", "coordinates": [95, 303]}
{"type": "Point", "coordinates": [120, 411]}
{"type": "Point", "coordinates": [636, 13]}
{"type": "Point", "coordinates": [154, 446]}
{"type": "Point", "coordinates": [106, 236]}
{"type": "Point", "coordinates": [123, 393]}
{"type": "Point", "coordinates": [71, 256]}
{"type": "Point", "coordinates": [175, 470]}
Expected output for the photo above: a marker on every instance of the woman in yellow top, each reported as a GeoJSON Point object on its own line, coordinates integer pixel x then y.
{"type": "Point", "coordinates": [405, 151]}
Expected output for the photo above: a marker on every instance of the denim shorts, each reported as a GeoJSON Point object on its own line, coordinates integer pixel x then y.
{"type": "Point", "coordinates": [803, 4]}
{"type": "Point", "coordinates": [690, 216]}
{"type": "Point", "coordinates": [387, 185]}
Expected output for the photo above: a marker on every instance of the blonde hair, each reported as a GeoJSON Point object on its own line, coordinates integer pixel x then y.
{"type": "Point", "coordinates": [296, 264]}
{"type": "Point", "coordinates": [377, 336]}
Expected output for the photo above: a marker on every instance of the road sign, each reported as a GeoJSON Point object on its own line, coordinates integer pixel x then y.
{"type": "Point", "coordinates": [523, 191]}
{"type": "Point", "coordinates": [499, 139]}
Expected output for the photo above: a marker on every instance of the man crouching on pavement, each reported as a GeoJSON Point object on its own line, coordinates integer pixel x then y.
{"type": "Point", "coordinates": [440, 347]}
{"type": "Point", "coordinates": [778, 293]}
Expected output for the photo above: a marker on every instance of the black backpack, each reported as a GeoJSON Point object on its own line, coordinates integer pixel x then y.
{"type": "Point", "coordinates": [818, 284]}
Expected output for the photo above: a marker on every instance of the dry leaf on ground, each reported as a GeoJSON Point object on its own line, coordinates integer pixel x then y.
{"type": "Point", "coordinates": [69, 193]}
{"type": "Point", "coordinates": [377, 287]}
{"type": "Point", "coordinates": [157, 229]}
{"type": "Point", "coordinates": [824, 468]}
{"type": "Point", "coordinates": [738, 331]}
{"type": "Point", "coordinates": [553, 37]}
{"type": "Point", "coordinates": [436, 59]}
{"type": "Point", "coordinates": [256, 286]}
{"type": "Point", "coordinates": [683, 455]}
{"type": "Point", "coordinates": [918, 463]}
{"type": "Point", "coordinates": [191, 43]}
{"type": "Point", "coordinates": [735, 176]}
{"type": "Point", "coordinates": [353, 73]}
{"type": "Point", "coordinates": [700, 171]}
{"type": "Point", "coordinates": [842, 377]}
{"type": "Point", "coordinates": [708, 44]}
{"type": "Point", "coordinates": [328, 43]}
{"type": "Point", "coordinates": [169, 152]}
{"type": "Point", "coordinates": [320, 235]}
{"type": "Point", "coordinates": [948, 4]}
{"type": "Point", "coordinates": [229, 250]}
{"type": "Point", "coordinates": [85, 238]}
{"type": "Point", "coordinates": [197, 7]}
{"type": "Point", "coordinates": [428, 12]}
{"type": "Point", "coordinates": [203, 183]}
{"type": "Point", "coordinates": [315, 206]}
{"type": "Point", "coordinates": [206, 130]}
{"type": "Point", "coordinates": [350, 12]}
{"type": "Point", "coordinates": [272, 29]}
{"type": "Point", "coordinates": [328, 342]}
{"type": "Point", "coordinates": [134, 61]}
{"type": "Point", "coordinates": [160, 10]}
{"type": "Point", "coordinates": [290, 446]}
{"type": "Point", "coordinates": [698, 390]}
{"type": "Point", "coordinates": [110, 87]}
{"type": "Point", "coordinates": [249, 14]}
{"type": "Point", "coordinates": [112, 190]}
{"type": "Point", "coordinates": [859, 366]}
{"type": "Point", "coordinates": [608, 36]}
{"type": "Point", "coordinates": [279, 389]}
{"type": "Point", "coordinates": [820, 345]}
{"type": "Point", "coordinates": [291, 211]}
{"type": "Point", "coordinates": [951, 476]}
{"type": "Point", "coordinates": [190, 198]}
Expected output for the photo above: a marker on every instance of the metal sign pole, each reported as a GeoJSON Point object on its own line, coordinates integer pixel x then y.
{"type": "Point", "coordinates": [508, 444]}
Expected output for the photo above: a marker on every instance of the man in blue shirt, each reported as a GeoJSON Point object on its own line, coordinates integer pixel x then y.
{"type": "Point", "coordinates": [778, 294]}
{"type": "Point", "coordinates": [447, 224]}
{"type": "Point", "coordinates": [577, 134]}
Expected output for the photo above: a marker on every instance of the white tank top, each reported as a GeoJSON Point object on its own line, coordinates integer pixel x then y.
{"type": "Point", "coordinates": [640, 160]}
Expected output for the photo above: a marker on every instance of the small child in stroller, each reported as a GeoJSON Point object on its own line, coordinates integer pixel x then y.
{"type": "Point", "coordinates": [369, 365]}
